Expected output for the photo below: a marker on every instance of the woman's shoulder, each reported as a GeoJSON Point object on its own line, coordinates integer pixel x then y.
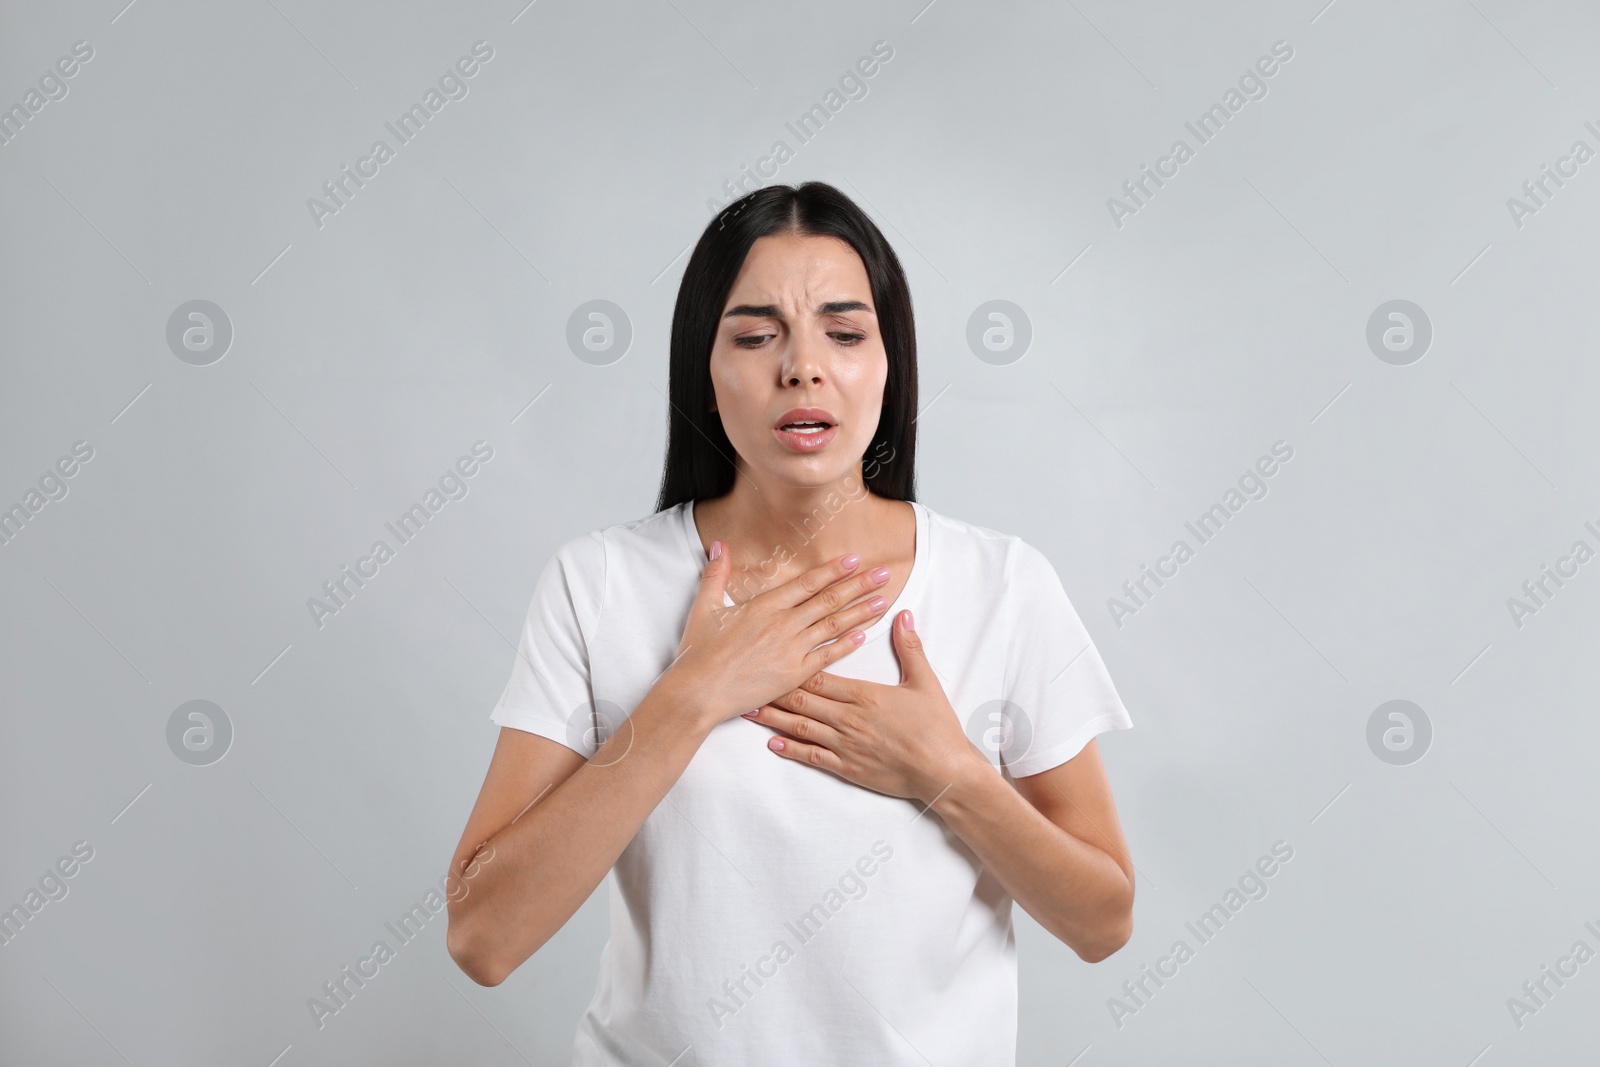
{"type": "Point", "coordinates": [649, 538]}
{"type": "Point", "coordinates": [992, 553]}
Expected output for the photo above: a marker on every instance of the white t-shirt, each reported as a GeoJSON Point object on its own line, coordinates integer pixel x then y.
{"type": "Point", "coordinates": [769, 913]}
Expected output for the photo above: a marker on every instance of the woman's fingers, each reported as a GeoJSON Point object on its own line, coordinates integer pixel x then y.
{"type": "Point", "coordinates": [839, 595]}
{"type": "Point", "coordinates": [819, 610]}
{"type": "Point", "coordinates": [831, 626]}
{"type": "Point", "coordinates": [806, 585]}
{"type": "Point", "coordinates": [824, 656]}
{"type": "Point", "coordinates": [824, 590]}
{"type": "Point", "coordinates": [813, 726]}
{"type": "Point", "coordinates": [714, 577]}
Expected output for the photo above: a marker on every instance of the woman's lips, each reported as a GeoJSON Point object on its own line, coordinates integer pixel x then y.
{"type": "Point", "coordinates": [796, 441]}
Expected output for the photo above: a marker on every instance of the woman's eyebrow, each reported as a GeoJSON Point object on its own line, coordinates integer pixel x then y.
{"type": "Point", "coordinates": [770, 311]}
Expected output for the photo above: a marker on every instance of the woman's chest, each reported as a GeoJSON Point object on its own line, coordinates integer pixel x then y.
{"type": "Point", "coordinates": [744, 823]}
{"type": "Point", "coordinates": [735, 776]}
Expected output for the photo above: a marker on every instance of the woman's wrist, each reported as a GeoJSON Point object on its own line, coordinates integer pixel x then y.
{"type": "Point", "coordinates": [968, 774]}
{"type": "Point", "coordinates": [687, 703]}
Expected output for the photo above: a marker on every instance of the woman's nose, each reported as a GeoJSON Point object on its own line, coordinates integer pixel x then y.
{"type": "Point", "coordinates": [804, 363]}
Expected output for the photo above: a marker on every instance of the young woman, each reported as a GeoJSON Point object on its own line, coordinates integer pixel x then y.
{"type": "Point", "coordinates": [822, 735]}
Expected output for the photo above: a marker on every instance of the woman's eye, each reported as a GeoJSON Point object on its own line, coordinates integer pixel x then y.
{"type": "Point", "coordinates": [844, 338]}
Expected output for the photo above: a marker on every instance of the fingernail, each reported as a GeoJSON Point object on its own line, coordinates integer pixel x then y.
{"type": "Point", "coordinates": [716, 550]}
{"type": "Point", "coordinates": [881, 574]}
{"type": "Point", "coordinates": [850, 562]}
{"type": "Point", "coordinates": [877, 603]}
{"type": "Point", "coordinates": [857, 637]}
{"type": "Point", "coordinates": [776, 744]}
{"type": "Point", "coordinates": [752, 713]}
{"type": "Point", "coordinates": [908, 622]}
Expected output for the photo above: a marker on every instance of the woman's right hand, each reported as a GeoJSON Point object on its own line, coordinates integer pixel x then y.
{"type": "Point", "coordinates": [734, 659]}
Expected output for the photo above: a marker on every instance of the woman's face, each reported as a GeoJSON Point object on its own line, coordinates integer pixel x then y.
{"type": "Point", "coordinates": [799, 331]}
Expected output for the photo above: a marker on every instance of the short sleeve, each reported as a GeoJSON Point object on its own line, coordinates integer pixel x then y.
{"type": "Point", "coordinates": [1059, 693]}
{"type": "Point", "coordinates": [549, 691]}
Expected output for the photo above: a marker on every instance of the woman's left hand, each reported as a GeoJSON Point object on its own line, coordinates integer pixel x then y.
{"type": "Point", "coordinates": [903, 740]}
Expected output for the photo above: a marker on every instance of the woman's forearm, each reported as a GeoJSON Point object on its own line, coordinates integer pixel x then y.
{"type": "Point", "coordinates": [548, 861]}
{"type": "Point", "coordinates": [1076, 891]}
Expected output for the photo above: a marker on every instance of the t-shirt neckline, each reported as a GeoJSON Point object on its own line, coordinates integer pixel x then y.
{"type": "Point", "coordinates": [908, 593]}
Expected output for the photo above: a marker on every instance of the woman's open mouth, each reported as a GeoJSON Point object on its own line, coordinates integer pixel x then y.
{"type": "Point", "coordinates": [806, 429]}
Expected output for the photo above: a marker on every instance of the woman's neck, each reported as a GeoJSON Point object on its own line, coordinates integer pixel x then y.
{"type": "Point", "coordinates": [776, 533]}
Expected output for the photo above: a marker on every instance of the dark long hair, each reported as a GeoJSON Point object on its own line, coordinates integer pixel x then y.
{"type": "Point", "coordinates": [699, 463]}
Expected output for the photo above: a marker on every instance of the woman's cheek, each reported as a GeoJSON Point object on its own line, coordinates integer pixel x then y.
{"type": "Point", "coordinates": [740, 414]}
{"type": "Point", "coordinates": [863, 380]}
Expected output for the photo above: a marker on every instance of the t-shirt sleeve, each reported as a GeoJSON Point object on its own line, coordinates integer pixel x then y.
{"type": "Point", "coordinates": [549, 692]}
{"type": "Point", "coordinates": [1058, 691]}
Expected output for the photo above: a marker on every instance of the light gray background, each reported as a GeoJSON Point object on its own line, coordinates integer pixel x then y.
{"type": "Point", "coordinates": [369, 354]}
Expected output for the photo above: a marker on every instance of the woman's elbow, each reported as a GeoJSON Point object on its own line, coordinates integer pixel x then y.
{"type": "Point", "coordinates": [1113, 936]}
{"type": "Point", "coordinates": [472, 956]}
{"type": "Point", "coordinates": [1113, 932]}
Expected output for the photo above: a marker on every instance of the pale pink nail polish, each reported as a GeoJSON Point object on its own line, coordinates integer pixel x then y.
{"type": "Point", "coordinates": [776, 744]}
{"type": "Point", "coordinates": [850, 562]}
{"type": "Point", "coordinates": [716, 550]}
{"type": "Point", "coordinates": [881, 574]}
{"type": "Point", "coordinates": [877, 603]}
